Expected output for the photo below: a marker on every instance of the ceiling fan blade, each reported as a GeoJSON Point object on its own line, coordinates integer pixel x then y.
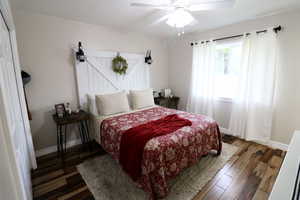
{"type": "Point", "coordinates": [211, 5]}
{"type": "Point", "coordinates": [156, 6]}
{"type": "Point", "coordinates": [160, 20]}
{"type": "Point", "coordinates": [152, 19]}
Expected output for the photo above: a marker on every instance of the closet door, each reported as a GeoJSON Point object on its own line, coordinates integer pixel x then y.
{"type": "Point", "coordinates": [11, 113]}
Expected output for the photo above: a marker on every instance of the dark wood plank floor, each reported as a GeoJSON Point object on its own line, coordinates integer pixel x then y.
{"type": "Point", "coordinates": [249, 174]}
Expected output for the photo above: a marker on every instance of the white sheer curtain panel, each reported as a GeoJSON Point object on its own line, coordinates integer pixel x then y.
{"type": "Point", "coordinates": [201, 96]}
{"type": "Point", "coordinates": [252, 109]}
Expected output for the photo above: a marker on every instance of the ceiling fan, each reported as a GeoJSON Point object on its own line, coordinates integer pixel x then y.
{"type": "Point", "coordinates": [179, 11]}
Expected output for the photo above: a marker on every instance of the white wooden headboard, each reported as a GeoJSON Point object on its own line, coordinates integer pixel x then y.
{"type": "Point", "coordinates": [95, 75]}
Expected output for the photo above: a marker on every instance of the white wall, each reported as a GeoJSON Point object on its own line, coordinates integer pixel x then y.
{"type": "Point", "coordinates": [45, 44]}
{"type": "Point", "coordinates": [287, 113]}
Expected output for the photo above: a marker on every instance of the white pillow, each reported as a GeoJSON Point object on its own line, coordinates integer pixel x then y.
{"type": "Point", "coordinates": [108, 104]}
{"type": "Point", "coordinates": [141, 98]}
{"type": "Point", "coordinates": [92, 104]}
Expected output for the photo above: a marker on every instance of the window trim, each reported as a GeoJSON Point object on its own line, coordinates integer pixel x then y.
{"type": "Point", "coordinates": [227, 44]}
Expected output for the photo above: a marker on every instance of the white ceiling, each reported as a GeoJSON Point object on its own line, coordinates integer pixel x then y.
{"type": "Point", "coordinates": [118, 13]}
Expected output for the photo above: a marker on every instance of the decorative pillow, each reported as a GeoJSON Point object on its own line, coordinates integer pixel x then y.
{"type": "Point", "coordinates": [108, 104]}
{"type": "Point", "coordinates": [141, 98]}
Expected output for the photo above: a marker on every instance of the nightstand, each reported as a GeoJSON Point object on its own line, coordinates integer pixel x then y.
{"type": "Point", "coordinates": [168, 102]}
{"type": "Point", "coordinates": [81, 119]}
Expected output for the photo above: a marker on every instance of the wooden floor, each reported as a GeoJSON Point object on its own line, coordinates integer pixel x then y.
{"type": "Point", "coordinates": [249, 174]}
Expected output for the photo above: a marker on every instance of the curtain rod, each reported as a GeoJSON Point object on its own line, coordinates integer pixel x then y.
{"type": "Point", "coordinates": [276, 29]}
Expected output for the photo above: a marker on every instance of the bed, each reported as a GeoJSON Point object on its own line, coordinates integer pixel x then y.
{"type": "Point", "coordinates": [163, 157]}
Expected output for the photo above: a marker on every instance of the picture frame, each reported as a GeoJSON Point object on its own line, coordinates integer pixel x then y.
{"type": "Point", "coordinates": [60, 110]}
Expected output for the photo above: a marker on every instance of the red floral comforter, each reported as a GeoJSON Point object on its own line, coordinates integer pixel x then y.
{"type": "Point", "coordinates": [164, 156]}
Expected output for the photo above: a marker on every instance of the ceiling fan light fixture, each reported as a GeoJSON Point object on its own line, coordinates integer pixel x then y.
{"type": "Point", "coordinates": [180, 18]}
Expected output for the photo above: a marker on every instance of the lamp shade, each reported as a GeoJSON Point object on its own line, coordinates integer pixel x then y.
{"type": "Point", "coordinates": [180, 18]}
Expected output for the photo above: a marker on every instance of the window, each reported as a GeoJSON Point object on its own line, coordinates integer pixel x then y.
{"type": "Point", "coordinates": [228, 62]}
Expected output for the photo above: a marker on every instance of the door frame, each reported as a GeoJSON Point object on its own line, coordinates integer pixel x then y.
{"type": "Point", "coordinates": [7, 16]}
{"type": "Point", "coordinates": [14, 174]}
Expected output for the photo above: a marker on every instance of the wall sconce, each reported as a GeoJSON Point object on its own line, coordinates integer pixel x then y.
{"type": "Point", "coordinates": [80, 54]}
{"type": "Point", "coordinates": [148, 58]}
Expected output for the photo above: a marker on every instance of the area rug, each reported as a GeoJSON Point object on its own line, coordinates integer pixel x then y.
{"type": "Point", "coordinates": [106, 180]}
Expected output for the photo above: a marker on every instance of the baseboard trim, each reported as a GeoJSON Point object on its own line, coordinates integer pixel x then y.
{"type": "Point", "coordinates": [278, 145]}
{"type": "Point", "coordinates": [53, 148]}
{"type": "Point", "coordinates": [272, 144]}
{"type": "Point", "coordinates": [224, 130]}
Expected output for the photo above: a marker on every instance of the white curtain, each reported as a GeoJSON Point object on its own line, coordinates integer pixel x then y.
{"type": "Point", "coordinates": [201, 96]}
{"type": "Point", "coordinates": [252, 110]}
